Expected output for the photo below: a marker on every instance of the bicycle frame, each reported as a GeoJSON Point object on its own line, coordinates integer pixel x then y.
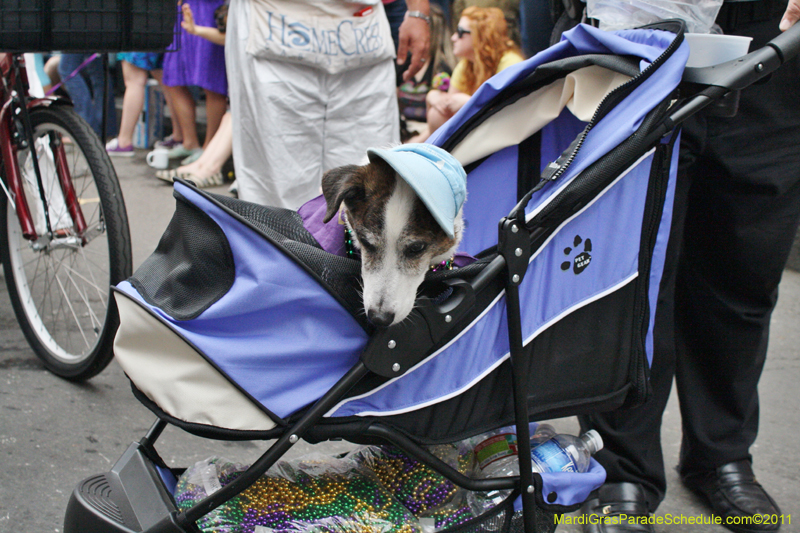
{"type": "Point", "coordinates": [15, 133]}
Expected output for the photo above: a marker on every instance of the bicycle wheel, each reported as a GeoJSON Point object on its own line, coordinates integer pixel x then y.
{"type": "Point", "coordinates": [60, 285]}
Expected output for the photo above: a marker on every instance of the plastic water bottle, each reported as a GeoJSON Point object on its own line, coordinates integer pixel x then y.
{"type": "Point", "coordinates": [565, 453]}
{"type": "Point", "coordinates": [496, 451]}
{"type": "Point", "coordinates": [495, 455]}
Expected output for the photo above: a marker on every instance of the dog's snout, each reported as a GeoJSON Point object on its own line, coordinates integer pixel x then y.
{"type": "Point", "coordinates": [382, 319]}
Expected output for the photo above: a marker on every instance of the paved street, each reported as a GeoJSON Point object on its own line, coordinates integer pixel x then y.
{"type": "Point", "coordinates": [53, 433]}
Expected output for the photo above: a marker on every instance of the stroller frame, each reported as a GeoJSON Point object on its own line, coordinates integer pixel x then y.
{"type": "Point", "coordinates": [137, 472]}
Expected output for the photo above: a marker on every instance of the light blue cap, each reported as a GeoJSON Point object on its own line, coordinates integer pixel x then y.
{"type": "Point", "coordinates": [436, 176]}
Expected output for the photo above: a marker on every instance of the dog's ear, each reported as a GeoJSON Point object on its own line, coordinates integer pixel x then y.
{"type": "Point", "coordinates": [340, 184]}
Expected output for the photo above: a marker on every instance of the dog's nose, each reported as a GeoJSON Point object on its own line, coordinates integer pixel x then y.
{"type": "Point", "coordinates": [381, 319]}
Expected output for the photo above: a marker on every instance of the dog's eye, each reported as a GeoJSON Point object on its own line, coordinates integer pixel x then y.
{"type": "Point", "coordinates": [415, 249]}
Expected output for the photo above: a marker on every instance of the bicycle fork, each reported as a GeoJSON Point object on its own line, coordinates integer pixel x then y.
{"type": "Point", "coordinates": [19, 129]}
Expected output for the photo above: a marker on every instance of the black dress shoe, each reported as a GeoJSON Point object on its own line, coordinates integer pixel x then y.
{"type": "Point", "coordinates": [617, 508]}
{"type": "Point", "coordinates": [736, 496]}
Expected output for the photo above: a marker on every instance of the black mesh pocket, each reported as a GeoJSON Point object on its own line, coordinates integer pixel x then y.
{"type": "Point", "coordinates": [283, 224]}
{"type": "Point", "coordinates": [341, 276]}
{"type": "Point", "coordinates": [191, 268]}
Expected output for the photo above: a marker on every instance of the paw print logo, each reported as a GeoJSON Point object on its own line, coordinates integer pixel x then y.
{"type": "Point", "coordinates": [582, 260]}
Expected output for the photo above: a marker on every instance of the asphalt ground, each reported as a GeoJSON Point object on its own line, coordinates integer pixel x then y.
{"type": "Point", "coordinates": [53, 433]}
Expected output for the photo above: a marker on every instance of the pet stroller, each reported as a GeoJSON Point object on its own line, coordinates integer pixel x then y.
{"type": "Point", "coordinates": [241, 326]}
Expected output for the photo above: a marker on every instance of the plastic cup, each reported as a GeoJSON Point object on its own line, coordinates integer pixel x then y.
{"type": "Point", "coordinates": [706, 49]}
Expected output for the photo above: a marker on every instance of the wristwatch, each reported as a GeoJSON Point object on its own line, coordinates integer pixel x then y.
{"type": "Point", "coordinates": [419, 15]}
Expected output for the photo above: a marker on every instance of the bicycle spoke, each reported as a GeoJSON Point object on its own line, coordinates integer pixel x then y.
{"type": "Point", "coordinates": [96, 323]}
{"type": "Point", "coordinates": [90, 282]}
{"type": "Point", "coordinates": [74, 315]}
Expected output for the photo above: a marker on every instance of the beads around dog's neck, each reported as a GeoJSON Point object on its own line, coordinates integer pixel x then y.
{"type": "Point", "coordinates": [351, 252]}
{"type": "Point", "coordinates": [447, 264]}
{"type": "Point", "coordinates": [349, 248]}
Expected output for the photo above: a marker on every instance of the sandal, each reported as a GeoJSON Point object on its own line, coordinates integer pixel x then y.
{"type": "Point", "coordinates": [168, 175]}
{"type": "Point", "coordinates": [214, 180]}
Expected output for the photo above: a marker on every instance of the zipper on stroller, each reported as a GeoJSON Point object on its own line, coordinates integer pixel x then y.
{"type": "Point", "coordinates": [556, 169]}
{"type": "Point", "coordinates": [656, 198]}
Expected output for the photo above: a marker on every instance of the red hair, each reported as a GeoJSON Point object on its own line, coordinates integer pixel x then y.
{"type": "Point", "coordinates": [490, 42]}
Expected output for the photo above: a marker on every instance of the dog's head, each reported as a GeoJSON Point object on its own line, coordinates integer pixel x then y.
{"type": "Point", "coordinates": [404, 211]}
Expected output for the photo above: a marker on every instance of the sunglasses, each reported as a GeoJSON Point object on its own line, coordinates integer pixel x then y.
{"type": "Point", "coordinates": [461, 31]}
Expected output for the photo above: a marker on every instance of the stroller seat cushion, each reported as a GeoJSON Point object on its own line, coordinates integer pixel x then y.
{"type": "Point", "coordinates": [580, 91]}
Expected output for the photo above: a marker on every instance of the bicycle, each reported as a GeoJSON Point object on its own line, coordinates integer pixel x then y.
{"type": "Point", "coordinates": [64, 235]}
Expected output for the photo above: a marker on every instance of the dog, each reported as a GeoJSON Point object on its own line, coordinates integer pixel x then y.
{"type": "Point", "coordinates": [404, 212]}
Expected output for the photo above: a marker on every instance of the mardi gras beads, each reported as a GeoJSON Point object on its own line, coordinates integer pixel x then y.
{"type": "Point", "coordinates": [319, 502]}
{"type": "Point", "coordinates": [422, 490]}
{"type": "Point", "coordinates": [378, 489]}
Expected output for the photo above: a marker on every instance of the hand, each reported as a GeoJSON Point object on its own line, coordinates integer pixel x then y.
{"type": "Point", "coordinates": [791, 15]}
{"type": "Point", "coordinates": [188, 20]}
{"type": "Point", "coordinates": [415, 37]}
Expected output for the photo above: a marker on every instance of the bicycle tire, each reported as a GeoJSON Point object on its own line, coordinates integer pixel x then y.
{"type": "Point", "coordinates": [61, 293]}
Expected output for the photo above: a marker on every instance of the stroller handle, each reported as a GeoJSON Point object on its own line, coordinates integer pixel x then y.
{"type": "Point", "coordinates": [718, 80]}
{"type": "Point", "coordinates": [787, 44]}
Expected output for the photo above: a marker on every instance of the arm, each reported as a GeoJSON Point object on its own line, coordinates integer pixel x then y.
{"type": "Point", "coordinates": [211, 34]}
{"type": "Point", "coordinates": [791, 15]}
{"type": "Point", "coordinates": [415, 37]}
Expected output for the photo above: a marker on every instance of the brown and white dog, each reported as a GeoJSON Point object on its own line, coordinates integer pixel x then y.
{"type": "Point", "coordinates": [404, 211]}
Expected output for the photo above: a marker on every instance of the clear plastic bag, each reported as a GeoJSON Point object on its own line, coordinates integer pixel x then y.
{"type": "Point", "coordinates": [372, 489]}
{"type": "Point", "coordinates": [699, 15]}
{"type": "Point", "coordinates": [203, 479]}
{"type": "Point", "coordinates": [316, 493]}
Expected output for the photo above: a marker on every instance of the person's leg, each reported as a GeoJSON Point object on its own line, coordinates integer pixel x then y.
{"type": "Point", "coordinates": [177, 134]}
{"type": "Point", "coordinates": [51, 69]}
{"type": "Point", "coordinates": [183, 106]}
{"type": "Point", "coordinates": [744, 205]}
{"type": "Point", "coordinates": [206, 171]}
{"type": "Point", "coordinates": [215, 154]}
{"type": "Point", "coordinates": [78, 89]}
{"type": "Point", "coordinates": [740, 228]}
{"type": "Point", "coordinates": [435, 115]}
{"type": "Point", "coordinates": [736, 245]}
{"type": "Point", "coordinates": [742, 214]}
{"type": "Point", "coordinates": [216, 106]}
{"type": "Point", "coordinates": [132, 102]}
{"type": "Point", "coordinates": [102, 85]}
